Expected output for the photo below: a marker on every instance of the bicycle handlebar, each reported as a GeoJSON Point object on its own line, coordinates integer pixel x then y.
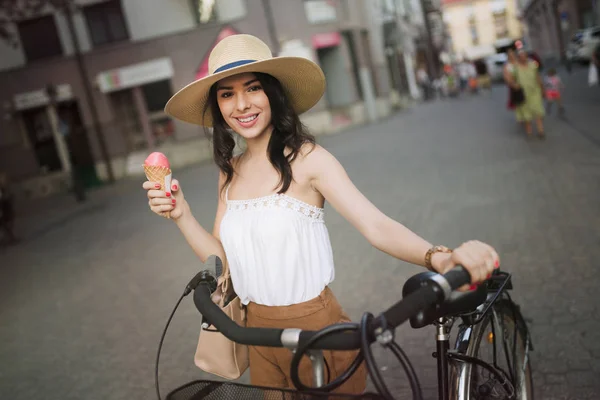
{"type": "Point", "coordinates": [438, 289]}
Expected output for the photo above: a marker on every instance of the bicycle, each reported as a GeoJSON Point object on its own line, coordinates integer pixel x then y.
{"type": "Point", "coordinates": [487, 314]}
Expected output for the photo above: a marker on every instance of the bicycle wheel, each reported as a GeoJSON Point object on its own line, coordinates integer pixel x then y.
{"type": "Point", "coordinates": [501, 340]}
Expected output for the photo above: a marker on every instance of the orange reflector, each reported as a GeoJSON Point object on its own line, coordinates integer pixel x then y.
{"type": "Point", "coordinates": [490, 337]}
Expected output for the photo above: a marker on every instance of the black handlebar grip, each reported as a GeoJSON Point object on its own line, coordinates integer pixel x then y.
{"type": "Point", "coordinates": [333, 341]}
{"type": "Point", "coordinates": [418, 300]}
{"type": "Point", "coordinates": [457, 277]}
{"type": "Point", "coordinates": [231, 330]}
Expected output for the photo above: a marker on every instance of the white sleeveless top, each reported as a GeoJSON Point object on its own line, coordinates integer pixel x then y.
{"type": "Point", "coordinates": [278, 249]}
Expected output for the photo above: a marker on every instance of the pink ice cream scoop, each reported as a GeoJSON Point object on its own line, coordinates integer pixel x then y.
{"type": "Point", "coordinates": [157, 159]}
{"type": "Point", "coordinates": [158, 169]}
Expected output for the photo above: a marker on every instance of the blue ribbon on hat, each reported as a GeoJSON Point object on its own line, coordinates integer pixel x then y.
{"type": "Point", "coordinates": [233, 65]}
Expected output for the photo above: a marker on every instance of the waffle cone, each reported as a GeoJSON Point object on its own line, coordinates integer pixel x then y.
{"type": "Point", "coordinates": [161, 175]}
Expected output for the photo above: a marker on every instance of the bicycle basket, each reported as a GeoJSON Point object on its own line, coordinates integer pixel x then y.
{"type": "Point", "coordinates": [210, 390]}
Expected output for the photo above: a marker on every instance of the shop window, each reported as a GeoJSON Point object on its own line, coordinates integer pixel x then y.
{"type": "Point", "coordinates": [39, 38]}
{"type": "Point", "coordinates": [156, 95]}
{"type": "Point", "coordinates": [127, 119]}
{"type": "Point", "coordinates": [40, 136]}
{"type": "Point", "coordinates": [106, 22]}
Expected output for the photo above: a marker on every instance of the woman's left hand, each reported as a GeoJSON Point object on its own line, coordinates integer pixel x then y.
{"type": "Point", "coordinates": [478, 258]}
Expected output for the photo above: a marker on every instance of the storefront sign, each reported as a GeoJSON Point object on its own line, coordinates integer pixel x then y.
{"type": "Point", "coordinates": [39, 98]}
{"type": "Point", "coordinates": [135, 75]}
{"type": "Point", "coordinates": [320, 11]}
{"type": "Point", "coordinates": [322, 40]}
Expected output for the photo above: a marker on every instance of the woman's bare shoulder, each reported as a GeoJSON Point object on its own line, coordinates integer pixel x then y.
{"type": "Point", "coordinates": [315, 158]}
{"type": "Point", "coordinates": [310, 152]}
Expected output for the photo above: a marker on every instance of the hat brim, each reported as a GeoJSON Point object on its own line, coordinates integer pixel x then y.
{"type": "Point", "coordinates": [303, 82]}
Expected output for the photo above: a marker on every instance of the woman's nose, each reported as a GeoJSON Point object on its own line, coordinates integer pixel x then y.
{"type": "Point", "coordinates": [242, 102]}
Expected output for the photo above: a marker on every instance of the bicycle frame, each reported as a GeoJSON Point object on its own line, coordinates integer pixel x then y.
{"type": "Point", "coordinates": [462, 364]}
{"type": "Point", "coordinates": [455, 361]}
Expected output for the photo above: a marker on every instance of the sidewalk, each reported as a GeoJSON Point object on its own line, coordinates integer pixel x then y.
{"type": "Point", "coordinates": [37, 217]}
{"type": "Point", "coordinates": [582, 103]}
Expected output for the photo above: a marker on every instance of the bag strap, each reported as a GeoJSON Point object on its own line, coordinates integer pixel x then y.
{"type": "Point", "coordinates": [224, 280]}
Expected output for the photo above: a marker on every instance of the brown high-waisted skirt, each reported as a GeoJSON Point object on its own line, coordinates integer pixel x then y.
{"type": "Point", "coordinates": [270, 366]}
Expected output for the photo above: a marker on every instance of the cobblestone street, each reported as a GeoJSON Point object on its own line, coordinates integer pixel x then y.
{"type": "Point", "coordinates": [84, 300]}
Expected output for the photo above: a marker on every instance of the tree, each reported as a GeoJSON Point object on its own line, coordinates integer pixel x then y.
{"type": "Point", "coordinates": [15, 10]}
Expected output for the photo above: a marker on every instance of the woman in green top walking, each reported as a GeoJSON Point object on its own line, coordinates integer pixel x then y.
{"type": "Point", "coordinates": [524, 74]}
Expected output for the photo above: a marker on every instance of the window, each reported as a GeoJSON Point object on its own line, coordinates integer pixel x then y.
{"type": "Point", "coordinates": [127, 120]}
{"type": "Point", "coordinates": [205, 10]}
{"type": "Point", "coordinates": [106, 23]}
{"type": "Point", "coordinates": [498, 6]}
{"type": "Point", "coordinates": [474, 36]}
{"type": "Point", "coordinates": [39, 38]}
{"type": "Point", "coordinates": [322, 11]}
{"type": "Point", "coordinates": [501, 26]}
{"type": "Point", "coordinates": [157, 94]}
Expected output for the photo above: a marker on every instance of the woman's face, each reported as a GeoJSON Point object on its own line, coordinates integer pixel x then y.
{"type": "Point", "coordinates": [511, 56]}
{"type": "Point", "coordinates": [244, 105]}
{"type": "Point", "coordinates": [523, 57]}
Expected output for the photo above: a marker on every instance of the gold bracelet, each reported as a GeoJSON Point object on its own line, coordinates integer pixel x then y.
{"type": "Point", "coordinates": [431, 251]}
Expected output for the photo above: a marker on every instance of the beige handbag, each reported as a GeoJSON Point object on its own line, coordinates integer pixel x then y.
{"type": "Point", "coordinates": [215, 353]}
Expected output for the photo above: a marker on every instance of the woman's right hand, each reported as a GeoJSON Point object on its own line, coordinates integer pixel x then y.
{"type": "Point", "coordinates": [160, 201]}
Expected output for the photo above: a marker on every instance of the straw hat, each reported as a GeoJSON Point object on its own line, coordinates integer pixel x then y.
{"type": "Point", "coordinates": [303, 81]}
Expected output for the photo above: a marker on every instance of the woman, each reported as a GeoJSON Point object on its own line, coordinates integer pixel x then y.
{"type": "Point", "coordinates": [524, 75]}
{"type": "Point", "coordinates": [508, 70]}
{"type": "Point", "coordinates": [483, 76]}
{"type": "Point", "coordinates": [269, 224]}
{"type": "Point", "coordinates": [7, 214]}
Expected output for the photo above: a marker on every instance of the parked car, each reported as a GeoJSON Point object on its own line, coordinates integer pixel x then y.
{"type": "Point", "coordinates": [582, 44]}
{"type": "Point", "coordinates": [495, 64]}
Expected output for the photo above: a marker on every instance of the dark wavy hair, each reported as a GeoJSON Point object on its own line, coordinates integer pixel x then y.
{"type": "Point", "coordinates": [288, 132]}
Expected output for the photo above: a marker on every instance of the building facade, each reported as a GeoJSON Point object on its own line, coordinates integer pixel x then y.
{"type": "Point", "coordinates": [477, 27]}
{"type": "Point", "coordinates": [135, 55]}
{"type": "Point", "coordinates": [551, 24]}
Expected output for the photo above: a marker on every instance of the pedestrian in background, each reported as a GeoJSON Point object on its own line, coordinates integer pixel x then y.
{"type": "Point", "coordinates": [524, 79]}
{"type": "Point", "coordinates": [594, 73]}
{"type": "Point", "coordinates": [7, 214]}
{"type": "Point", "coordinates": [483, 76]}
{"type": "Point", "coordinates": [423, 81]}
{"type": "Point", "coordinates": [508, 73]}
{"type": "Point", "coordinates": [553, 86]}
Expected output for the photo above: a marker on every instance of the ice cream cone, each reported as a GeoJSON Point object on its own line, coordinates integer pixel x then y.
{"type": "Point", "coordinates": [161, 175]}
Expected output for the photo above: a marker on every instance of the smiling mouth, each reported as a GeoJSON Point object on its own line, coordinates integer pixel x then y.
{"type": "Point", "coordinates": [248, 119]}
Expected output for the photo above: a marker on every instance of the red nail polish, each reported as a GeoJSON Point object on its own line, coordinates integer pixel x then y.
{"type": "Point", "coordinates": [157, 186]}
{"type": "Point", "coordinates": [489, 276]}
{"type": "Point", "coordinates": [473, 287]}
{"type": "Point", "coordinates": [174, 187]}
{"type": "Point", "coordinates": [497, 264]}
{"type": "Point", "coordinates": [168, 194]}
{"type": "Point", "coordinates": [173, 201]}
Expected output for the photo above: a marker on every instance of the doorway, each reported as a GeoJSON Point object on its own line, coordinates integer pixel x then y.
{"type": "Point", "coordinates": [82, 160]}
{"type": "Point", "coordinates": [39, 132]}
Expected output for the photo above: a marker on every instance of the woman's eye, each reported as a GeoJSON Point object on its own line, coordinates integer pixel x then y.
{"type": "Point", "coordinates": [225, 95]}
{"type": "Point", "coordinates": [255, 88]}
